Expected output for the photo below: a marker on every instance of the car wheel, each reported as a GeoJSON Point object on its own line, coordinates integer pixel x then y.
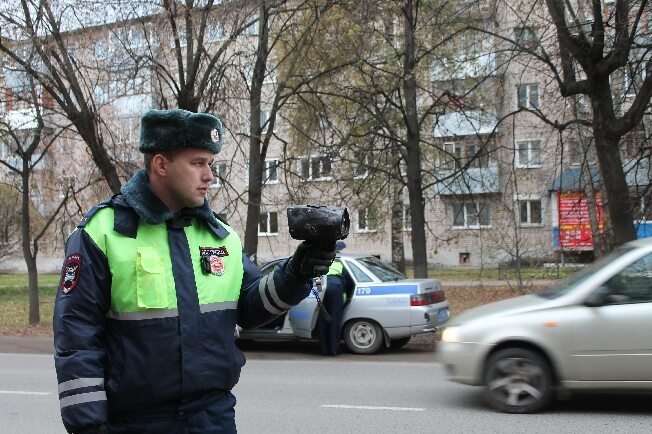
{"type": "Point", "coordinates": [518, 380]}
{"type": "Point", "coordinates": [399, 342]}
{"type": "Point", "coordinates": [363, 336]}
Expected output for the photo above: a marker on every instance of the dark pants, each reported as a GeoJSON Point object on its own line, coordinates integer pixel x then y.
{"type": "Point", "coordinates": [216, 418]}
{"type": "Point", "coordinates": [329, 332]}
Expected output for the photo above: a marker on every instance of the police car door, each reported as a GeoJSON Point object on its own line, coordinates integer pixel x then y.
{"type": "Point", "coordinates": [303, 316]}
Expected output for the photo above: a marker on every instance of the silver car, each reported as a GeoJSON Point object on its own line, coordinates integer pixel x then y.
{"type": "Point", "coordinates": [592, 331]}
{"type": "Point", "coordinates": [382, 308]}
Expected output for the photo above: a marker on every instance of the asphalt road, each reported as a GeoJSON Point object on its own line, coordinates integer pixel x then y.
{"type": "Point", "coordinates": [289, 389]}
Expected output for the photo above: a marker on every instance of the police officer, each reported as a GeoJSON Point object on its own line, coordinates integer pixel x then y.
{"type": "Point", "coordinates": [152, 287]}
{"type": "Point", "coordinates": [329, 329]}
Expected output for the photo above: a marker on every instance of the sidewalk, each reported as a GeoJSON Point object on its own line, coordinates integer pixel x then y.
{"type": "Point", "coordinates": [26, 344]}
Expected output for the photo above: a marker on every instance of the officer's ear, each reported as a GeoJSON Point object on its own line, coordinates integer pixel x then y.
{"type": "Point", "coordinates": [160, 164]}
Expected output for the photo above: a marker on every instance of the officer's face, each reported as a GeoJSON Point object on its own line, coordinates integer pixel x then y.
{"type": "Point", "coordinates": [188, 176]}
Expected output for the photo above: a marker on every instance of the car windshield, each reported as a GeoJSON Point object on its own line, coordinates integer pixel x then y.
{"type": "Point", "coordinates": [382, 271]}
{"type": "Point", "coordinates": [574, 279]}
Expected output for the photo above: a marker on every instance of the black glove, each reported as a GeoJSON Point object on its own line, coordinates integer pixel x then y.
{"type": "Point", "coordinates": [311, 260]}
{"type": "Point", "coordinates": [95, 429]}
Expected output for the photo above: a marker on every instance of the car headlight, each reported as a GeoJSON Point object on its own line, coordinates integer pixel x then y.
{"type": "Point", "coordinates": [452, 335]}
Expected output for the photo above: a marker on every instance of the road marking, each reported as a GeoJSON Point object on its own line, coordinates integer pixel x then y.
{"type": "Point", "coordinates": [20, 392]}
{"type": "Point", "coordinates": [371, 407]}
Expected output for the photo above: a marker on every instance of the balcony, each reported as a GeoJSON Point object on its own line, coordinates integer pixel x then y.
{"type": "Point", "coordinates": [469, 123]}
{"type": "Point", "coordinates": [474, 180]}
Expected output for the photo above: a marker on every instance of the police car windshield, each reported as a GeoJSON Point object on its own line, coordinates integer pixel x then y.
{"type": "Point", "coordinates": [381, 270]}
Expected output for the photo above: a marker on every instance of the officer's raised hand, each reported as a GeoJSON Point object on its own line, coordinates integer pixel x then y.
{"type": "Point", "coordinates": [311, 259]}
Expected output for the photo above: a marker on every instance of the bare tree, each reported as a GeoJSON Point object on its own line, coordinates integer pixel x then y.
{"type": "Point", "coordinates": [29, 143]}
{"type": "Point", "coordinates": [38, 37]}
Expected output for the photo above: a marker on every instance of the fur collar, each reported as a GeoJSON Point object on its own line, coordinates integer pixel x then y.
{"type": "Point", "coordinates": [149, 207]}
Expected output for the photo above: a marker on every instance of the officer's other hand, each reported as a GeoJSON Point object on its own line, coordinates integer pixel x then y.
{"type": "Point", "coordinates": [311, 260]}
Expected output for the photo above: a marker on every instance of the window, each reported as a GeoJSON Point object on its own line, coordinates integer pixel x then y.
{"type": "Point", "coordinates": [631, 285]}
{"type": "Point", "coordinates": [270, 172]}
{"type": "Point", "coordinates": [528, 153]}
{"type": "Point", "coordinates": [528, 96]}
{"type": "Point", "coordinates": [219, 172]}
{"type": "Point", "coordinates": [128, 130]}
{"type": "Point", "coordinates": [471, 214]}
{"type": "Point", "coordinates": [529, 211]}
{"type": "Point", "coordinates": [634, 143]}
{"type": "Point", "coordinates": [366, 221]}
{"type": "Point", "coordinates": [524, 36]}
{"type": "Point", "coordinates": [464, 154]}
{"type": "Point", "coordinates": [268, 223]}
{"type": "Point", "coordinates": [265, 114]}
{"type": "Point", "coordinates": [315, 168]}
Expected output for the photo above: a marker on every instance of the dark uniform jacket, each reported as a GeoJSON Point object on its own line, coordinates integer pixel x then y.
{"type": "Point", "coordinates": [147, 308]}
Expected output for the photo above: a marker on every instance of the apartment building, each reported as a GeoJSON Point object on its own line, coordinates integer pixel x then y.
{"type": "Point", "coordinates": [502, 183]}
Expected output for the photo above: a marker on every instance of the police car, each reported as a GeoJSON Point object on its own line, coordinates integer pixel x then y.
{"type": "Point", "coordinates": [382, 309]}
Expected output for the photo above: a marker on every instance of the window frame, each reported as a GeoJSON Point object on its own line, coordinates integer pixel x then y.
{"type": "Point", "coordinates": [270, 220]}
{"type": "Point", "coordinates": [369, 219]}
{"type": "Point", "coordinates": [524, 96]}
{"type": "Point", "coordinates": [308, 177]}
{"type": "Point", "coordinates": [270, 165]}
{"type": "Point", "coordinates": [220, 169]}
{"type": "Point", "coordinates": [480, 206]}
{"type": "Point", "coordinates": [528, 200]}
{"type": "Point", "coordinates": [528, 164]}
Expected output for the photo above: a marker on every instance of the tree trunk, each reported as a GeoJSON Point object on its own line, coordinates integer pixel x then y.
{"type": "Point", "coordinates": [256, 157]}
{"type": "Point", "coordinates": [617, 202]}
{"type": "Point", "coordinates": [30, 258]}
{"type": "Point", "coordinates": [413, 149]}
{"type": "Point", "coordinates": [398, 246]}
{"type": "Point", "coordinates": [254, 194]}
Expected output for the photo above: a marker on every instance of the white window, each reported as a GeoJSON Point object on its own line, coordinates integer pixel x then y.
{"type": "Point", "coordinates": [265, 114]}
{"type": "Point", "coordinates": [270, 172]}
{"type": "Point", "coordinates": [219, 172]}
{"type": "Point", "coordinates": [528, 153]}
{"type": "Point", "coordinates": [457, 155]}
{"type": "Point", "coordinates": [528, 96]}
{"type": "Point", "coordinates": [471, 214]}
{"type": "Point", "coordinates": [128, 130]}
{"type": "Point", "coordinates": [366, 220]}
{"type": "Point", "coordinates": [252, 29]}
{"type": "Point", "coordinates": [315, 168]}
{"type": "Point", "coordinates": [529, 211]}
{"type": "Point", "coordinates": [268, 223]}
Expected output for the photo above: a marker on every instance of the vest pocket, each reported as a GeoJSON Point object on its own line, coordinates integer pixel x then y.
{"type": "Point", "coordinates": [151, 288]}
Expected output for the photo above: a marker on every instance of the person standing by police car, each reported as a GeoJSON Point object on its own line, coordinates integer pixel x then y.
{"type": "Point", "coordinates": [329, 328]}
{"type": "Point", "coordinates": [152, 287]}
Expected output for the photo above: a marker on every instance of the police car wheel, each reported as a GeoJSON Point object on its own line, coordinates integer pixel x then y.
{"type": "Point", "coordinates": [518, 380]}
{"type": "Point", "coordinates": [363, 336]}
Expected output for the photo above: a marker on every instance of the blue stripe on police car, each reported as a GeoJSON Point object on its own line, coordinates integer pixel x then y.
{"type": "Point", "coordinates": [386, 290]}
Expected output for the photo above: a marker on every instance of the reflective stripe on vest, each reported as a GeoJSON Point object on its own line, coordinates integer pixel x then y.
{"type": "Point", "coordinates": [141, 268]}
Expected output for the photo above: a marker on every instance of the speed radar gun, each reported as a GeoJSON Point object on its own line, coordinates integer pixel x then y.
{"type": "Point", "coordinates": [321, 225]}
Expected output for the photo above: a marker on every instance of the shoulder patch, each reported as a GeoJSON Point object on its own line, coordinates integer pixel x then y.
{"type": "Point", "coordinates": [70, 273]}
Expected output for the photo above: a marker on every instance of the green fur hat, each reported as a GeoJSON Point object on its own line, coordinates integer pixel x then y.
{"type": "Point", "coordinates": [163, 130]}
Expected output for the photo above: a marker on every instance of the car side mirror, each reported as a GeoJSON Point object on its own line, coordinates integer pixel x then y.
{"type": "Point", "coordinates": [597, 298]}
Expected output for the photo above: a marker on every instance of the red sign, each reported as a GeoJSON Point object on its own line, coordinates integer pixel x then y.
{"type": "Point", "coordinates": [574, 222]}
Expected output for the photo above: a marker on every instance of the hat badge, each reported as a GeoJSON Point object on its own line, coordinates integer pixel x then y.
{"type": "Point", "coordinates": [215, 135]}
